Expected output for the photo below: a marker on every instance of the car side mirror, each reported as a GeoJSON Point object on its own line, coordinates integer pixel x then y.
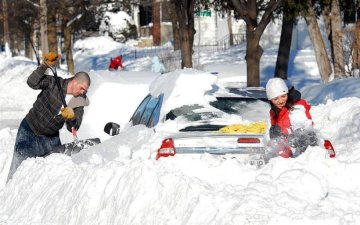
{"type": "Point", "coordinates": [112, 128]}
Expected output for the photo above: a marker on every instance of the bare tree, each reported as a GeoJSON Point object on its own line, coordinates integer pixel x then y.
{"type": "Point", "coordinates": [356, 43]}
{"type": "Point", "coordinates": [29, 41]}
{"type": "Point", "coordinates": [229, 23]}
{"type": "Point", "coordinates": [321, 56]}
{"type": "Point", "coordinates": [52, 29]}
{"type": "Point", "coordinates": [73, 15]}
{"type": "Point", "coordinates": [25, 16]}
{"type": "Point", "coordinates": [332, 19]}
{"type": "Point", "coordinates": [16, 35]}
{"type": "Point", "coordinates": [175, 25]}
{"type": "Point", "coordinates": [337, 40]}
{"type": "Point", "coordinates": [185, 16]}
{"type": "Point", "coordinates": [6, 29]}
{"type": "Point", "coordinates": [282, 61]}
{"type": "Point", "coordinates": [43, 27]}
{"type": "Point", "coordinates": [249, 12]}
{"type": "Point", "coordinates": [68, 48]}
{"type": "Point", "coordinates": [156, 29]}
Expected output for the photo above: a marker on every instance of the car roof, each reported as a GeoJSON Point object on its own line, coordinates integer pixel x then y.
{"type": "Point", "coordinates": [244, 93]}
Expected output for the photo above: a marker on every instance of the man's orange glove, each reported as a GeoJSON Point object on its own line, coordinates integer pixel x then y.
{"type": "Point", "coordinates": [68, 113]}
{"type": "Point", "coordinates": [51, 58]}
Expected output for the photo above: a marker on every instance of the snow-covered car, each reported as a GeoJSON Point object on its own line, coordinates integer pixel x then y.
{"type": "Point", "coordinates": [195, 115]}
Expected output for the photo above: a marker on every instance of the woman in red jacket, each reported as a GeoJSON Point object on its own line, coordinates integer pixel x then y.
{"type": "Point", "coordinates": [291, 128]}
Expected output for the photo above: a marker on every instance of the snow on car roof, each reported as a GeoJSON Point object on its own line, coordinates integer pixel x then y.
{"type": "Point", "coordinates": [247, 92]}
{"type": "Point", "coordinates": [182, 87]}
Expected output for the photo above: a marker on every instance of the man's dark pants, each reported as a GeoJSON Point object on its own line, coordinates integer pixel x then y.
{"type": "Point", "coordinates": [28, 144]}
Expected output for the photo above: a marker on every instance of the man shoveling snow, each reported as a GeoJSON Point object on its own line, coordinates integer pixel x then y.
{"type": "Point", "coordinates": [38, 133]}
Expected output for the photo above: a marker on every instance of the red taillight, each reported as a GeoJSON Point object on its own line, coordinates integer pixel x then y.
{"type": "Point", "coordinates": [167, 148]}
{"type": "Point", "coordinates": [330, 149]}
{"type": "Point", "coordinates": [248, 140]}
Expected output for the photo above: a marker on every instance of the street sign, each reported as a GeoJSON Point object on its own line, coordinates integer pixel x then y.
{"type": "Point", "coordinates": [203, 13]}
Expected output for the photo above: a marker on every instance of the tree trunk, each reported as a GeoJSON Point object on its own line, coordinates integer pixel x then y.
{"type": "Point", "coordinates": [185, 11]}
{"type": "Point", "coordinates": [14, 44]}
{"type": "Point", "coordinates": [186, 55]}
{"type": "Point", "coordinates": [326, 13]}
{"type": "Point", "coordinates": [253, 56]}
{"type": "Point", "coordinates": [356, 44]}
{"type": "Point", "coordinates": [156, 29]}
{"type": "Point", "coordinates": [321, 56]}
{"type": "Point", "coordinates": [6, 29]}
{"type": "Point", "coordinates": [175, 25]}
{"type": "Point", "coordinates": [356, 47]}
{"type": "Point", "coordinates": [43, 27]}
{"type": "Point", "coordinates": [68, 50]}
{"type": "Point", "coordinates": [248, 11]}
{"type": "Point", "coordinates": [28, 46]}
{"type": "Point", "coordinates": [29, 42]}
{"type": "Point", "coordinates": [229, 23]}
{"type": "Point", "coordinates": [52, 30]}
{"type": "Point", "coordinates": [282, 61]}
{"type": "Point", "coordinates": [337, 40]}
{"type": "Point", "coordinates": [327, 19]}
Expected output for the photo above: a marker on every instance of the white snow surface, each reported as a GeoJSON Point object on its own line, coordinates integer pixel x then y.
{"type": "Point", "coordinates": [119, 182]}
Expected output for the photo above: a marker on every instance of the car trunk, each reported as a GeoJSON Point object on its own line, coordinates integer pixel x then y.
{"type": "Point", "coordinates": [214, 142]}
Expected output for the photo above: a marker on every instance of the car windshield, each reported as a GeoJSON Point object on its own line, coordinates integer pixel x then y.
{"type": "Point", "coordinates": [251, 109]}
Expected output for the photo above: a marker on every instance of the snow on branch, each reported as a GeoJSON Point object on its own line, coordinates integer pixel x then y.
{"type": "Point", "coordinates": [73, 20]}
{"type": "Point", "coordinates": [33, 3]}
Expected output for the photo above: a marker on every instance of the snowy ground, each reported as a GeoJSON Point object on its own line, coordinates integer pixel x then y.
{"type": "Point", "coordinates": [108, 184]}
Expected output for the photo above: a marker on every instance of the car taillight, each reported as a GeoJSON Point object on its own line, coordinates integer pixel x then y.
{"type": "Point", "coordinates": [248, 140]}
{"type": "Point", "coordinates": [166, 149]}
{"type": "Point", "coordinates": [330, 149]}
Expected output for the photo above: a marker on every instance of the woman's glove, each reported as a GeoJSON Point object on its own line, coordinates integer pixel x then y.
{"type": "Point", "coordinates": [300, 139]}
{"type": "Point", "coordinates": [279, 147]}
{"type": "Point", "coordinates": [68, 113]}
{"type": "Point", "coordinates": [275, 132]}
{"type": "Point", "coordinates": [51, 58]}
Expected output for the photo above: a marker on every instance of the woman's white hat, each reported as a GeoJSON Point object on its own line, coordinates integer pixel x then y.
{"type": "Point", "coordinates": [276, 87]}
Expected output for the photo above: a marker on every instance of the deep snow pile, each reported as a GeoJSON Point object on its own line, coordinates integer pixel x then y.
{"type": "Point", "coordinates": [119, 182]}
{"type": "Point", "coordinates": [107, 185]}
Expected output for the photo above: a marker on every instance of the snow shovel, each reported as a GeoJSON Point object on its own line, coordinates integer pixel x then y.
{"type": "Point", "coordinates": [77, 145]}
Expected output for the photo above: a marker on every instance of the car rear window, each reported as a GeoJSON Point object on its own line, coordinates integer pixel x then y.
{"type": "Point", "coordinates": [248, 108]}
{"type": "Point", "coordinates": [251, 109]}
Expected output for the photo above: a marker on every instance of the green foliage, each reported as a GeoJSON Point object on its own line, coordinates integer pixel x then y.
{"type": "Point", "coordinates": [348, 8]}
{"type": "Point", "coordinates": [202, 5]}
{"type": "Point", "coordinates": [223, 6]}
{"type": "Point", "coordinates": [90, 23]}
{"type": "Point", "coordinates": [131, 32]}
{"type": "Point", "coordinates": [292, 7]}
